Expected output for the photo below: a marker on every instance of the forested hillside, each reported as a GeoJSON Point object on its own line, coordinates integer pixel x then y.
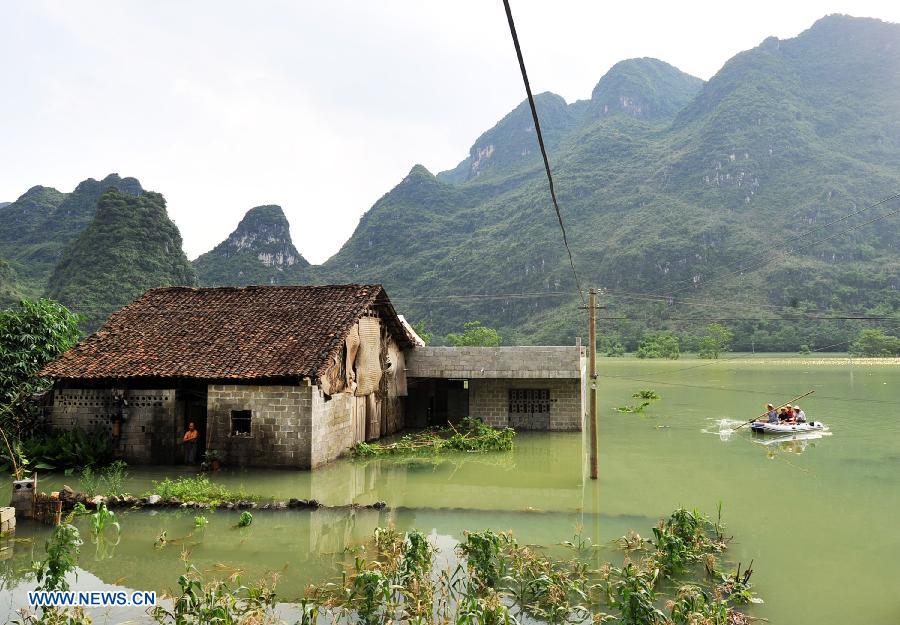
{"type": "Point", "coordinates": [130, 246]}
{"type": "Point", "coordinates": [669, 187]}
{"type": "Point", "coordinates": [37, 227]}
{"type": "Point", "coordinates": [752, 198]}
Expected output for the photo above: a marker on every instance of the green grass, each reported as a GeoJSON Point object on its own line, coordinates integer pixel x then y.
{"type": "Point", "coordinates": [199, 489]}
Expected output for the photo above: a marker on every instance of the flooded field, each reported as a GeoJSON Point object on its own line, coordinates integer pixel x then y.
{"type": "Point", "coordinates": [817, 516]}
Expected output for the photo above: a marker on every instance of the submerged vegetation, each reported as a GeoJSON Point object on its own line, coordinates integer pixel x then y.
{"type": "Point", "coordinates": [647, 397]}
{"type": "Point", "coordinates": [470, 435]}
{"type": "Point", "coordinates": [492, 579]}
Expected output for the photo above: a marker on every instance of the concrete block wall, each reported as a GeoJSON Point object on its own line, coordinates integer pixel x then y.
{"type": "Point", "coordinates": [281, 428]}
{"type": "Point", "coordinates": [7, 519]}
{"type": "Point", "coordinates": [489, 401]}
{"type": "Point", "coordinates": [529, 362]}
{"type": "Point", "coordinates": [332, 426]}
{"type": "Point", "coordinates": [149, 433]}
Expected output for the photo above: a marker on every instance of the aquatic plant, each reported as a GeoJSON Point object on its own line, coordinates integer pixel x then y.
{"type": "Point", "coordinates": [245, 520]}
{"type": "Point", "coordinates": [647, 397]}
{"type": "Point", "coordinates": [200, 521]}
{"type": "Point", "coordinates": [199, 489]}
{"type": "Point", "coordinates": [470, 435]}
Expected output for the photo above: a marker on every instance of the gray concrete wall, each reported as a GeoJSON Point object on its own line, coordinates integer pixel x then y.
{"type": "Point", "coordinates": [332, 426]}
{"type": "Point", "coordinates": [150, 432]}
{"type": "Point", "coordinates": [489, 401]}
{"type": "Point", "coordinates": [545, 362]}
{"type": "Point", "coordinates": [280, 427]}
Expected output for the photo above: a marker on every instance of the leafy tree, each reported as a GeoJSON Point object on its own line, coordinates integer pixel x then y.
{"type": "Point", "coordinates": [717, 340]}
{"type": "Point", "coordinates": [475, 335]}
{"type": "Point", "coordinates": [873, 342]}
{"type": "Point", "coordinates": [30, 337]}
{"type": "Point", "coordinates": [611, 346]}
{"type": "Point", "coordinates": [424, 334]}
{"type": "Point", "coordinates": [659, 345]}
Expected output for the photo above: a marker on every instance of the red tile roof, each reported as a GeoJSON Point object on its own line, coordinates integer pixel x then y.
{"type": "Point", "coordinates": [228, 333]}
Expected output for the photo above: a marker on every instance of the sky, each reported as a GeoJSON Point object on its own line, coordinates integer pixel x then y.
{"type": "Point", "coordinates": [319, 107]}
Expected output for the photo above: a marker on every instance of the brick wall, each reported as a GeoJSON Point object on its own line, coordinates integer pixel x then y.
{"type": "Point", "coordinates": [149, 433]}
{"type": "Point", "coordinates": [489, 400]}
{"type": "Point", "coordinates": [280, 425]}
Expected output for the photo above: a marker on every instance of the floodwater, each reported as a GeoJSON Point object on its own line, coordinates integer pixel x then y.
{"type": "Point", "coordinates": [817, 516]}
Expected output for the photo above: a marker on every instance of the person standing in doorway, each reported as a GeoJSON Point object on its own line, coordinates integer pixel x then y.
{"type": "Point", "coordinates": [190, 444]}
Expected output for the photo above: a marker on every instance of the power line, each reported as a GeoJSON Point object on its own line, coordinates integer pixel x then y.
{"type": "Point", "coordinates": [540, 138]}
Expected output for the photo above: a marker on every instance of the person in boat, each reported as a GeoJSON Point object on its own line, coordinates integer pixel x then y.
{"type": "Point", "coordinates": [785, 414]}
{"type": "Point", "coordinates": [799, 415]}
{"type": "Point", "coordinates": [790, 414]}
{"type": "Point", "coordinates": [771, 413]}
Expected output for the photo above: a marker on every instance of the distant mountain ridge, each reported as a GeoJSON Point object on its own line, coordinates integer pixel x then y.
{"type": "Point", "coordinates": [668, 184]}
{"type": "Point", "coordinates": [130, 246]}
{"type": "Point", "coordinates": [36, 228]}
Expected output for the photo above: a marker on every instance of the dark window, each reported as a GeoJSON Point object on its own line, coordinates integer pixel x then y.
{"type": "Point", "coordinates": [529, 400]}
{"type": "Point", "coordinates": [240, 422]}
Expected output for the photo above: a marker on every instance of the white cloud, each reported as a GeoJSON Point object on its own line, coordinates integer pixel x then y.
{"type": "Point", "coordinates": [318, 107]}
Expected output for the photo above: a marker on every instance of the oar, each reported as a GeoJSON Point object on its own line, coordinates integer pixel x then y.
{"type": "Point", "coordinates": [790, 401]}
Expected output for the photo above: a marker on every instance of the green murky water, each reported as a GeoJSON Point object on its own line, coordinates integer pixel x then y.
{"type": "Point", "coordinates": [818, 516]}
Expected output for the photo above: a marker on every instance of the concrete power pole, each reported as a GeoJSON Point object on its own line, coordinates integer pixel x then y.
{"type": "Point", "coordinates": [592, 381]}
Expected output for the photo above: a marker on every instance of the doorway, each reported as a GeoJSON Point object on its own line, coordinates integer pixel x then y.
{"type": "Point", "coordinates": [434, 402]}
{"type": "Point", "coordinates": [192, 408]}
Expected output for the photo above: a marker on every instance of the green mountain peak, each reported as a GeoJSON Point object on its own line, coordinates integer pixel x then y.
{"type": "Point", "coordinates": [259, 251]}
{"type": "Point", "coordinates": [130, 246]}
{"type": "Point", "coordinates": [36, 228]}
{"type": "Point", "coordinates": [510, 145]}
{"type": "Point", "coordinates": [644, 87]}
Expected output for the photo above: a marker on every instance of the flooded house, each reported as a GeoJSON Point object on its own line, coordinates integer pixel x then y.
{"type": "Point", "coordinates": [292, 376]}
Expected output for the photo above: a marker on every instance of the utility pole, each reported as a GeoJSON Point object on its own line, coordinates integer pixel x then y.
{"type": "Point", "coordinates": [592, 394]}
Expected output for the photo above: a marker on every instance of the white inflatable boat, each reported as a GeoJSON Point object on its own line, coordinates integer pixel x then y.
{"type": "Point", "coordinates": [764, 427]}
